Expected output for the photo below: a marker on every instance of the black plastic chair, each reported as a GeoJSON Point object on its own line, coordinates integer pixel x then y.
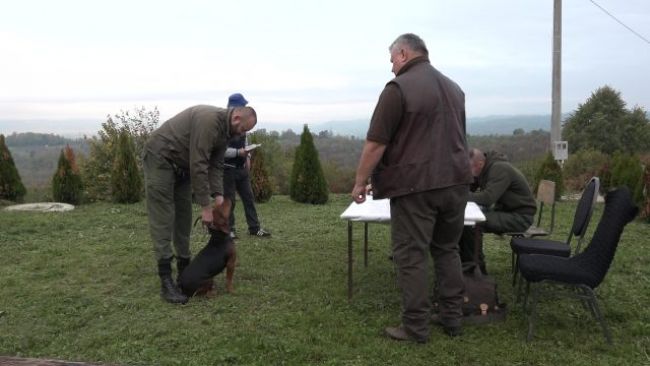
{"type": "Point", "coordinates": [581, 219]}
{"type": "Point", "coordinates": [583, 272]}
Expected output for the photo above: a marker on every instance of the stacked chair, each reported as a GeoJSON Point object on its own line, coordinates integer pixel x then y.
{"type": "Point", "coordinates": [583, 272]}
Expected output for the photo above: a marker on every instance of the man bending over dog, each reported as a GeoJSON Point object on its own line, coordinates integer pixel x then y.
{"type": "Point", "coordinates": [185, 155]}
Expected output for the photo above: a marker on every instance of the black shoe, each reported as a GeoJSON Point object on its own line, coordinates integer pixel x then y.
{"type": "Point", "coordinates": [399, 334]}
{"type": "Point", "coordinates": [170, 293]}
{"type": "Point", "coordinates": [453, 331]}
{"type": "Point", "coordinates": [261, 233]}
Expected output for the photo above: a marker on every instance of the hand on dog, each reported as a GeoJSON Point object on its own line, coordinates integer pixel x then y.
{"type": "Point", "coordinates": [206, 217]}
{"type": "Point", "coordinates": [207, 212]}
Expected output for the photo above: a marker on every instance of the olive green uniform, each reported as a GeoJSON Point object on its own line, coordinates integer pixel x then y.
{"type": "Point", "coordinates": [506, 199]}
{"type": "Point", "coordinates": [183, 156]}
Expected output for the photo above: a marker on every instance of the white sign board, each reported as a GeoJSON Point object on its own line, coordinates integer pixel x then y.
{"type": "Point", "coordinates": [560, 150]}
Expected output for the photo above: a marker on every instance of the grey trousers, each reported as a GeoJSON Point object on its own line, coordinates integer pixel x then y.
{"type": "Point", "coordinates": [428, 223]}
{"type": "Point", "coordinates": [169, 207]}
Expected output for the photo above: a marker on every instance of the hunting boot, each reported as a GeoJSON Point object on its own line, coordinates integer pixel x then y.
{"type": "Point", "coordinates": [181, 264]}
{"type": "Point", "coordinates": [168, 290]}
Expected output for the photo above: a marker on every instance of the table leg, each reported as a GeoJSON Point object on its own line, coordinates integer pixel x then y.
{"type": "Point", "coordinates": [478, 246]}
{"type": "Point", "coordinates": [349, 260]}
{"type": "Point", "coordinates": [365, 244]}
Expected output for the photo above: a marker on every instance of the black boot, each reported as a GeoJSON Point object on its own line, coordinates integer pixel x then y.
{"type": "Point", "coordinates": [168, 290]}
{"type": "Point", "coordinates": [181, 264]}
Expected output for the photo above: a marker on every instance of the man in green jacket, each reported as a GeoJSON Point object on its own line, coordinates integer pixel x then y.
{"type": "Point", "coordinates": [184, 156]}
{"type": "Point", "coordinates": [503, 193]}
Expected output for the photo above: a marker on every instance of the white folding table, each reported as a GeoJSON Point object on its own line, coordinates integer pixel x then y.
{"type": "Point", "coordinates": [378, 211]}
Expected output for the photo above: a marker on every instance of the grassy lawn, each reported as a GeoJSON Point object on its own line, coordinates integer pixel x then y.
{"type": "Point", "coordinates": [82, 286]}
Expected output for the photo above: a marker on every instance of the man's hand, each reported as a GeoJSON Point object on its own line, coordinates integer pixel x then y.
{"type": "Point", "coordinates": [370, 156]}
{"type": "Point", "coordinates": [359, 193]}
{"type": "Point", "coordinates": [206, 216]}
{"type": "Point", "coordinates": [218, 200]}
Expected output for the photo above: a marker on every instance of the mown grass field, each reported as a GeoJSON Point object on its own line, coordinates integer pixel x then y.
{"type": "Point", "coordinates": [82, 286]}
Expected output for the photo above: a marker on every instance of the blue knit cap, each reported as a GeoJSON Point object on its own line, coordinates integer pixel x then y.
{"type": "Point", "coordinates": [237, 100]}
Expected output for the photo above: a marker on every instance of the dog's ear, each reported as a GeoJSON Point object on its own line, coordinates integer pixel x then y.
{"type": "Point", "coordinates": [225, 207]}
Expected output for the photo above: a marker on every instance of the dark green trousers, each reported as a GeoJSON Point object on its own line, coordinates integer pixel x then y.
{"type": "Point", "coordinates": [423, 224]}
{"type": "Point", "coordinates": [169, 207]}
{"type": "Point", "coordinates": [497, 222]}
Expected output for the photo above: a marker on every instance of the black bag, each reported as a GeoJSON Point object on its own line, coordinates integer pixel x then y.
{"type": "Point", "coordinates": [480, 300]}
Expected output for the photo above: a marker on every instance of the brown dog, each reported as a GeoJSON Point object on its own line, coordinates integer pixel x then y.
{"type": "Point", "coordinates": [219, 253]}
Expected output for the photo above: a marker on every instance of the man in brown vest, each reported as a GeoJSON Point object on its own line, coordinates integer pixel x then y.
{"type": "Point", "coordinates": [417, 153]}
{"type": "Point", "coordinates": [185, 155]}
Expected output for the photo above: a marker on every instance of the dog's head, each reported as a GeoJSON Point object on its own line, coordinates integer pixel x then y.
{"type": "Point", "coordinates": [221, 216]}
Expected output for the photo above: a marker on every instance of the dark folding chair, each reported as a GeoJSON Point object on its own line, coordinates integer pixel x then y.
{"type": "Point", "coordinates": [581, 218]}
{"type": "Point", "coordinates": [583, 272]}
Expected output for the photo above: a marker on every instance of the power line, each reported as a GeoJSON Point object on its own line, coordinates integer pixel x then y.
{"type": "Point", "coordinates": [621, 23]}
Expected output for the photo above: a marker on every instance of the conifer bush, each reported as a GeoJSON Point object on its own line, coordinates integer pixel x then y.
{"type": "Point", "coordinates": [96, 169]}
{"type": "Point", "coordinates": [11, 186]}
{"type": "Point", "coordinates": [259, 175]}
{"type": "Point", "coordinates": [583, 165]}
{"type": "Point", "coordinates": [551, 170]}
{"type": "Point", "coordinates": [126, 182]}
{"type": "Point", "coordinates": [308, 183]}
{"type": "Point", "coordinates": [627, 170]}
{"type": "Point", "coordinates": [645, 209]}
{"type": "Point", "coordinates": [66, 183]}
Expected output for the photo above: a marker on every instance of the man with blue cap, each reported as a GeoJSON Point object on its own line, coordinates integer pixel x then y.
{"type": "Point", "coordinates": [236, 177]}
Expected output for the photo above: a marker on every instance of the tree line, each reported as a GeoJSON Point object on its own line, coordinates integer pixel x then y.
{"type": "Point", "coordinates": [605, 139]}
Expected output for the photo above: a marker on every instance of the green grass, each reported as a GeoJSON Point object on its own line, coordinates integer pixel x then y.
{"type": "Point", "coordinates": [82, 286]}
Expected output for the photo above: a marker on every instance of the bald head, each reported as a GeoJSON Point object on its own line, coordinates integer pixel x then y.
{"type": "Point", "coordinates": [242, 120]}
{"type": "Point", "coordinates": [476, 161]}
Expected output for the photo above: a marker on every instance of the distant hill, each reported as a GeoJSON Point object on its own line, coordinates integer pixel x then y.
{"type": "Point", "coordinates": [73, 128]}
{"type": "Point", "coordinates": [505, 125]}
{"type": "Point", "coordinates": [491, 125]}
{"type": "Point", "coordinates": [36, 155]}
{"type": "Point", "coordinates": [357, 127]}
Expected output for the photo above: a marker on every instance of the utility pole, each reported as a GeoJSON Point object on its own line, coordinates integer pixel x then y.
{"type": "Point", "coordinates": [559, 148]}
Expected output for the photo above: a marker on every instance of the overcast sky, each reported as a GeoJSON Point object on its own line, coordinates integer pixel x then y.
{"type": "Point", "coordinates": [305, 61]}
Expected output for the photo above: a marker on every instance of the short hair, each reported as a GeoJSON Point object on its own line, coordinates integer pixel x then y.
{"type": "Point", "coordinates": [476, 155]}
{"type": "Point", "coordinates": [411, 41]}
{"type": "Point", "coordinates": [246, 112]}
